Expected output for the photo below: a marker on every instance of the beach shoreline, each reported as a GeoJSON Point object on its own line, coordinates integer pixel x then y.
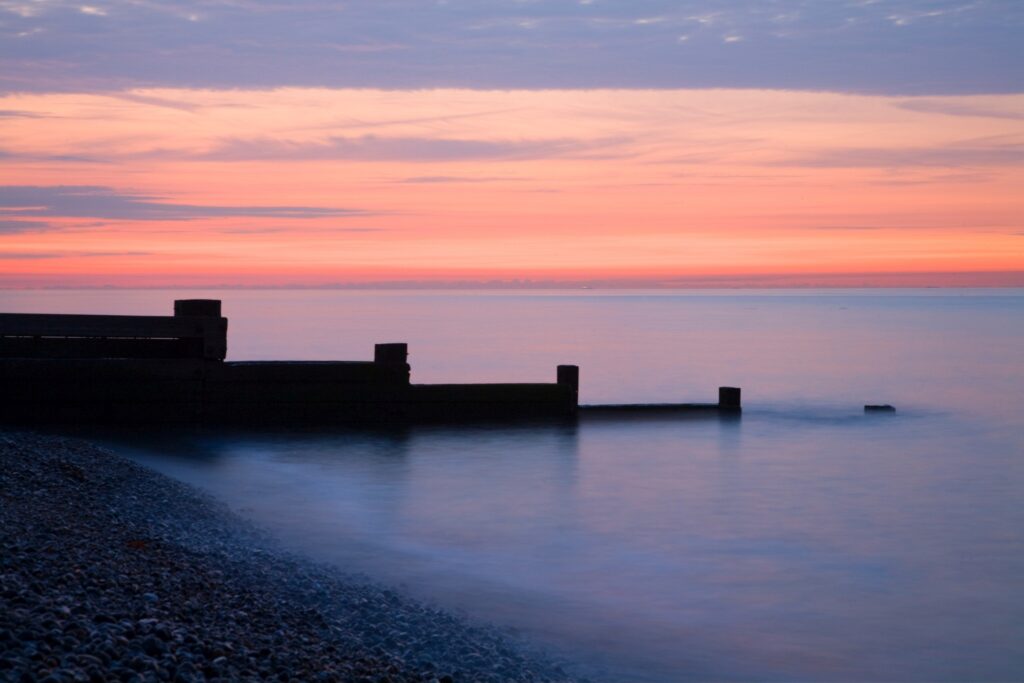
{"type": "Point", "coordinates": [112, 571]}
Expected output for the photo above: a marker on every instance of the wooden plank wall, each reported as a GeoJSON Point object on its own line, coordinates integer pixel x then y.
{"type": "Point", "coordinates": [191, 333]}
{"type": "Point", "coordinates": [88, 391]}
{"type": "Point", "coordinates": [169, 369]}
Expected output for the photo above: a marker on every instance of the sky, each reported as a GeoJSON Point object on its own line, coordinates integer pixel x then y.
{"type": "Point", "coordinates": [511, 143]}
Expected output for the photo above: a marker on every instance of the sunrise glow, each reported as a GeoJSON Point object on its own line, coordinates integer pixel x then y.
{"type": "Point", "coordinates": [108, 185]}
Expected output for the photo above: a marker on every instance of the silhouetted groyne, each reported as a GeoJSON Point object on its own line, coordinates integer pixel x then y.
{"type": "Point", "coordinates": [114, 369]}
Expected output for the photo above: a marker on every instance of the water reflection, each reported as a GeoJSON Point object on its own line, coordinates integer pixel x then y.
{"type": "Point", "coordinates": [817, 546]}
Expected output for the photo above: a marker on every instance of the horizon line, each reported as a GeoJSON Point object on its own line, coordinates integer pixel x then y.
{"type": "Point", "coordinates": [469, 287]}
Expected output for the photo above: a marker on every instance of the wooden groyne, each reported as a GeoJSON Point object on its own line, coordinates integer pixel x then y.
{"type": "Point", "coordinates": [112, 369]}
{"type": "Point", "coordinates": [728, 403]}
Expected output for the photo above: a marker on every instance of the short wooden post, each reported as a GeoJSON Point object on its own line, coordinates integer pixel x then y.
{"type": "Point", "coordinates": [202, 307]}
{"type": "Point", "coordinates": [569, 375]}
{"type": "Point", "coordinates": [390, 353]}
{"type": "Point", "coordinates": [729, 398]}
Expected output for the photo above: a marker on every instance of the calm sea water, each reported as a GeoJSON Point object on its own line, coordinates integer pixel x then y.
{"type": "Point", "coordinates": [803, 542]}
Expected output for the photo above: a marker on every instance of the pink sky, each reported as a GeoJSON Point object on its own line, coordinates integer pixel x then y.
{"type": "Point", "coordinates": [315, 187]}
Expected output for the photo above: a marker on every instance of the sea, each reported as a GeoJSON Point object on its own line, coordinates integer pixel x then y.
{"type": "Point", "coordinates": [806, 540]}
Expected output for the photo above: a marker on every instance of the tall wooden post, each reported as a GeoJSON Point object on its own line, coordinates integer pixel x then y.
{"type": "Point", "coordinates": [569, 375]}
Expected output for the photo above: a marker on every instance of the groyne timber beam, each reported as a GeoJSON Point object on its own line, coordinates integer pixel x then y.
{"type": "Point", "coordinates": [37, 334]}
{"type": "Point", "coordinates": [728, 403]}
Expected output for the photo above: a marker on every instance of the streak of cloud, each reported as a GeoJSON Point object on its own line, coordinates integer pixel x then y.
{"type": "Point", "coordinates": [92, 201]}
{"type": "Point", "coordinates": [445, 179]}
{"type": "Point", "coordinates": [8, 227]}
{"type": "Point", "coordinates": [18, 114]}
{"type": "Point", "coordinates": [959, 109]}
{"type": "Point", "coordinates": [948, 157]}
{"type": "Point", "coordinates": [373, 148]}
{"type": "Point", "coordinates": [50, 255]}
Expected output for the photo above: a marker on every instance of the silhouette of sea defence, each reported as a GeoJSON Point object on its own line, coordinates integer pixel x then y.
{"type": "Point", "coordinates": [117, 369]}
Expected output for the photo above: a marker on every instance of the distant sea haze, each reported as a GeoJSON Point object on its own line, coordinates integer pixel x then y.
{"type": "Point", "coordinates": [991, 279]}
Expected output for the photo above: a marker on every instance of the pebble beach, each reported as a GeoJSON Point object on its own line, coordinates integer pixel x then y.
{"type": "Point", "coordinates": [110, 571]}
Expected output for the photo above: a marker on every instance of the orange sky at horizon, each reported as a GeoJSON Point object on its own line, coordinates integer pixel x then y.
{"type": "Point", "coordinates": [315, 187]}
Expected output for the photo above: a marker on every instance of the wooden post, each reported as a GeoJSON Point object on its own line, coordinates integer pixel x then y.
{"type": "Point", "coordinates": [390, 353]}
{"type": "Point", "coordinates": [210, 324]}
{"type": "Point", "coordinates": [203, 307]}
{"type": "Point", "coordinates": [569, 375]}
{"type": "Point", "coordinates": [729, 398]}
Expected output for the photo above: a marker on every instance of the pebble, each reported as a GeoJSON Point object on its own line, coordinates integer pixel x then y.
{"type": "Point", "coordinates": [110, 571]}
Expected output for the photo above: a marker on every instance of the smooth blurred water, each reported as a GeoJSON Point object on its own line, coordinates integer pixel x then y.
{"type": "Point", "coordinates": [804, 541]}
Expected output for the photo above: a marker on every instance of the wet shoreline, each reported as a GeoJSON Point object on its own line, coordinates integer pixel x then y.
{"type": "Point", "coordinates": [111, 571]}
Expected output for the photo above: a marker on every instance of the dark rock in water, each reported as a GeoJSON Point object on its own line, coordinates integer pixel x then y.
{"type": "Point", "coordinates": [879, 408]}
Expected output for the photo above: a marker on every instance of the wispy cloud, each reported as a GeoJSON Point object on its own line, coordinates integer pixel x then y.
{"type": "Point", "coordinates": [94, 201]}
{"type": "Point", "coordinates": [18, 114]}
{"type": "Point", "coordinates": [925, 227]}
{"type": "Point", "coordinates": [6, 255]}
{"type": "Point", "coordinates": [374, 148]}
{"type": "Point", "coordinates": [870, 157]}
{"type": "Point", "coordinates": [161, 102]}
{"type": "Point", "coordinates": [444, 179]}
{"type": "Point", "coordinates": [8, 227]}
{"type": "Point", "coordinates": [363, 124]}
{"type": "Point", "coordinates": [949, 108]}
{"type": "Point", "coordinates": [333, 230]}
{"type": "Point", "coordinates": [69, 158]}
